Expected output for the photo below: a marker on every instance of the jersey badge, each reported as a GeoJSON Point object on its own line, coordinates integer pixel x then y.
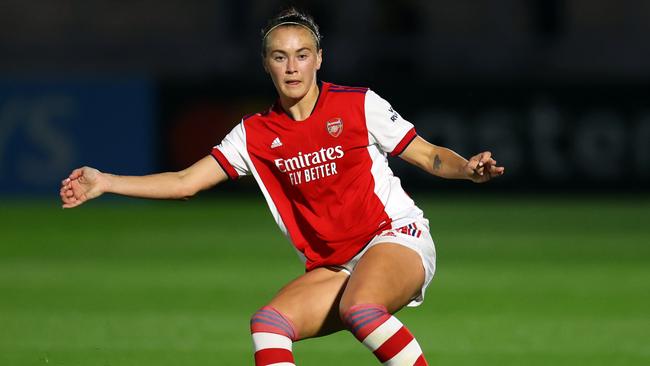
{"type": "Point", "coordinates": [276, 143]}
{"type": "Point", "coordinates": [335, 127]}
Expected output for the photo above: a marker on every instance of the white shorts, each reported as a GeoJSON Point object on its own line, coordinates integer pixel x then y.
{"type": "Point", "coordinates": [415, 236]}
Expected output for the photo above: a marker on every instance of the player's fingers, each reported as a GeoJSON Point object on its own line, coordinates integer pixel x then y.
{"type": "Point", "coordinates": [76, 188]}
{"type": "Point", "coordinates": [69, 194]}
{"type": "Point", "coordinates": [485, 158]}
{"type": "Point", "coordinates": [473, 162]}
{"type": "Point", "coordinates": [494, 172]}
{"type": "Point", "coordinates": [67, 200]}
{"type": "Point", "coordinates": [76, 173]}
{"type": "Point", "coordinates": [476, 172]}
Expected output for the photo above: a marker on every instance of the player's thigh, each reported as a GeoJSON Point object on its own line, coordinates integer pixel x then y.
{"type": "Point", "coordinates": [311, 302]}
{"type": "Point", "coordinates": [388, 274]}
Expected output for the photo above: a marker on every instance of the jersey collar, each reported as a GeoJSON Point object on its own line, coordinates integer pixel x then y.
{"type": "Point", "coordinates": [323, 87]}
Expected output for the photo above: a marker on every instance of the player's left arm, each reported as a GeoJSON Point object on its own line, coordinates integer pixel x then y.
{"type": "Point", "coordinates": [445, 163]}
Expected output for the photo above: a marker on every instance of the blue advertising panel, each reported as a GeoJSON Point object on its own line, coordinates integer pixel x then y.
{"type": "Point", "coordinates": [48, 128]}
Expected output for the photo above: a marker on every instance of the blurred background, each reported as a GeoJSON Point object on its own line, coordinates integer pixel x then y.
{"type": "Point", "coordinates": [557, 89]}
{"type": "Point", "coordinates": [548, 265]}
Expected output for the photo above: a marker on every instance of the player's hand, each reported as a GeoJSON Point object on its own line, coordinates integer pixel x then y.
{"type": "Point", "coordinates": [481, 168]}
{"type": "Point", "coordinates": [82, 185]}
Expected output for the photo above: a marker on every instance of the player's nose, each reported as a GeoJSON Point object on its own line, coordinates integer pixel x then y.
{"type": "Point", "coordinates": [291, 66]}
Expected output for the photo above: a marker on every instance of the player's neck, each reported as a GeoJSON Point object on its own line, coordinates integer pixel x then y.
{"type": "Point", "coordinates": [301, 109]}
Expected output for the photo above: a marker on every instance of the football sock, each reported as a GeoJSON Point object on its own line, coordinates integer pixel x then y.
{"type": "Point", "coordinates": [273, 336]}
{"type": "Point", "coordinates": [384, 335]}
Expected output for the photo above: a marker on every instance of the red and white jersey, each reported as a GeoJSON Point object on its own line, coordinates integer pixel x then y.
{"type": "Point", "coordinates": [326, 179]}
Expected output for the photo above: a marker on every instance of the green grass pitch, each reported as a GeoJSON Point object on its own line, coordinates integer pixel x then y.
{"type": "Point", "coordinates": [520, 281]}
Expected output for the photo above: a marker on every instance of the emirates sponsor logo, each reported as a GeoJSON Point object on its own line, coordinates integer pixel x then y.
{"type": "Point", "coordinates": [335, 127]}
{"type": "Point", "coordinates": [312, 166]}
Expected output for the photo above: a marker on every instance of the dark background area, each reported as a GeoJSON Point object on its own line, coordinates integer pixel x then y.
{"type": "Point", "coordinates": [535, 272]}
{"type": "Point", "coordinates": [557, 90]}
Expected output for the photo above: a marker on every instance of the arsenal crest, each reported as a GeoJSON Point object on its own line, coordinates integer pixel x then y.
{"type": "Point", "coordinates": [335, 127]}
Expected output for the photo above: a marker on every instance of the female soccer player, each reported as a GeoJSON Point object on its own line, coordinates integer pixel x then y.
{"type": "Point", "coordinates": [319, 157]}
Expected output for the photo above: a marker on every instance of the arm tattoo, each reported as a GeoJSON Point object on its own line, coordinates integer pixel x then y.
{"type": "Point", "coordinates": [437, 163]}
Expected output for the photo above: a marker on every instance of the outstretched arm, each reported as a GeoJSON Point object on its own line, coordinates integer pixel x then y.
{"type": "Point", "coordinates": [445, 163]}
{"type": "Point", "coordinates": [87, 183]}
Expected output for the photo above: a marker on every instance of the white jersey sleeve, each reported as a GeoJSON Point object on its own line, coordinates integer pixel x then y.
{"type": "Point", "coordinates": [231, 153]}
{"type": "Point", "coordinates": [386, 127]}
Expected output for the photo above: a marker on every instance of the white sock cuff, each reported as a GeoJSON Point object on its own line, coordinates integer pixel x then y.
{"type": "Point", "coordinates": [262, 340]}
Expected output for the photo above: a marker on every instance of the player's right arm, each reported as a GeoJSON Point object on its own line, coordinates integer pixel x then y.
{"type": "Point", "coordinates": [87, 183]}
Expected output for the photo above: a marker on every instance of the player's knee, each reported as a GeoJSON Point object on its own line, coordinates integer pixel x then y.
{"type": "Point", "coordinates": [346, 303]}
{"type": "Point", "coordinates": [350, 310]}
{"type": "Point", "coordinates": [343, 310]}
{"type": "Point", "coordinates": [353, 314]}
{"type": "Point", "coordinates": [270, 320]}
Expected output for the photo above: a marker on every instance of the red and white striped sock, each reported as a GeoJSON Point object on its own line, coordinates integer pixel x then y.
{"type": "Point", "coordinates": [273, 336]}
{"type": "Point", "coordinates": [384, 335]}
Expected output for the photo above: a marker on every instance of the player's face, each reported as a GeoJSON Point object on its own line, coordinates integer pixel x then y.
{"type": "Point", "coordinates": [292, 61]}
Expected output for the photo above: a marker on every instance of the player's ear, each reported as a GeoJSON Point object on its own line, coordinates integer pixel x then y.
{"type": "Point", "coordinates": [319, 58]}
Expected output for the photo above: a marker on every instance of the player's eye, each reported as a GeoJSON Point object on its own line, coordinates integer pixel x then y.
{"type": "Point", "coordinates": [302, 57]}
{"type": "Point", "coordinates": [278, 58]}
